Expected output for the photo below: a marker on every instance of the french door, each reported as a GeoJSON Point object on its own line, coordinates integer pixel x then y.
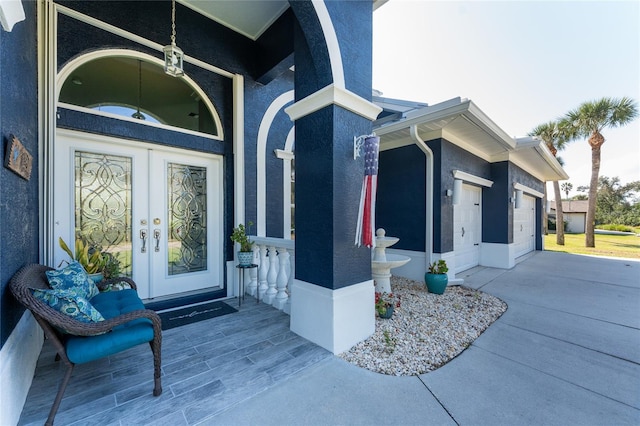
{"type": "Point", "coordinates": [157, 209]}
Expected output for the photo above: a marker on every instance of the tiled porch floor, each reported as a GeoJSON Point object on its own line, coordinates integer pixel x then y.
{"type": "Point", "coordinates": [207, 367]}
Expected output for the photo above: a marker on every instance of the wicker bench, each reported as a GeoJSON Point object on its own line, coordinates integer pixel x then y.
{"type": "Point", "coordinates": [126, 324]}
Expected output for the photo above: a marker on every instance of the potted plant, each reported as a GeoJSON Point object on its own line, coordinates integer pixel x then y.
{"type": "Point", "coordinates": [436, 277]}
{"type": "Point", "coordinates": [92, 259]}
{"type": "Point", "coordinates": [385, 303]}
{"type": "Point", "coordinates": [239, 236]}
{"type": "Point", "coordinates": [111, 268]}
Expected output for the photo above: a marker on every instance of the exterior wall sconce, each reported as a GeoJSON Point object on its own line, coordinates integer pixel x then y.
{"type": "Point", "coordinates": [173, 55]}
{"type": "Point", "coordinates": [449, 192]}
{"type": "Point", "coordinates": [518, 201]}
{"type": "Point", "coordinates": [457, 191]}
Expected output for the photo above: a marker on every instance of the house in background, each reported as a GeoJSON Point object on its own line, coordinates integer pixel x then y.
{"type": "Point", "coordinates": [574, 213]}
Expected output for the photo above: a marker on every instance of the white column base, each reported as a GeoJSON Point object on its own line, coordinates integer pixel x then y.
{"type": "Point", "coordinates": [18, 359]}
{"type": "Point", "coordinates": [496, 255]}
{"type": "Point", "coordinates": [333, 319]}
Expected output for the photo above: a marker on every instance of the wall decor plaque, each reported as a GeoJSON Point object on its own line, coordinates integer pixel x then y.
{"type": "Point", "coordinates": [17, 158]}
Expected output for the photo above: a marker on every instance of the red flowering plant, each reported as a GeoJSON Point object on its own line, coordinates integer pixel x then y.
{"type": "Point", "coordinates": [384, 301]}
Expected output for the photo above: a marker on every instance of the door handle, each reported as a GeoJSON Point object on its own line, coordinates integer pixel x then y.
{"type": "Point", "coordinates": [143, 237]}
{"type": "Point", "coordinates": [463, 231]}
{"type": "Point", "coordinates": [156, 236]}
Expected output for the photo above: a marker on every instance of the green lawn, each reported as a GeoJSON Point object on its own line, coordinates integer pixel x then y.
{"type": "Point", "coordinates": [606, 245]}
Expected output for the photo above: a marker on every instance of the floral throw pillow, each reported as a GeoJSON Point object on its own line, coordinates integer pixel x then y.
{"type": "Point", "coordinates": [70, 304]}
{"type": "Point", "coordinates": [73, 278]}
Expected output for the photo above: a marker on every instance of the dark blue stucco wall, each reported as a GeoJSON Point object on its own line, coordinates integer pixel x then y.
{"type": "Point", "coordinates": [497, 208]}
{"type": "Point", "coordinates": [352, 21]}
{"type": "Point", "coordinates": [401, 199]}
{"type": "Point", "coordinates": [311, 54]}
{"type": "Point", "coordinates": [18, 197]}
{"type": "Point", "coordinates": [497, 211]}
{"type": "Point", "coordinates": [327, 199]}
{"type": "Point", "coordinates": [328, 180]}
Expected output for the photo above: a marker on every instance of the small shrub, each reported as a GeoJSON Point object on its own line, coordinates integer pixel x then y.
{"type": "Point", "coordinates": [615, 227]}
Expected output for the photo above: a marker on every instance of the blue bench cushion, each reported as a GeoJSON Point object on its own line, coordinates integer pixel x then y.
{"type": "Point", "coordinates": [81, 349]}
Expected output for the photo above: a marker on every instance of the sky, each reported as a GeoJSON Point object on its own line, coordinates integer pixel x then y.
{"type": "Point", "coordinates": [523, 63]}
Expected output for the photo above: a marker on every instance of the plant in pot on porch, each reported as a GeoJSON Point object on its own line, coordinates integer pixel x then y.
{"type": "Point", "coordinates": [97, 263]}
{"type": "Point", "coordinates": [245, 254]}
{"type": "Point", "coordinates": [436, 278]}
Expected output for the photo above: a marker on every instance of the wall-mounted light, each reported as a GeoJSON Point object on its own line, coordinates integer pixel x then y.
{"type": "Point", "coordinates": [449, 192]}
{"type": "Point", "coordinates": [518, 202]}
{"type": "Point", "coordinates": [173, 55]}
{"type": "Point", "coordinates": [457, 191]}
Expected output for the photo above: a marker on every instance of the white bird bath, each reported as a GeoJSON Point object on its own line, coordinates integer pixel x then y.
{"type": "Point", "coordinates": [382, 263]}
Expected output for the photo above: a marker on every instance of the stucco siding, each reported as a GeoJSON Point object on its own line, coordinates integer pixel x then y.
{"type": "Point", "coordinates": [19, 244]}
{"type": "Point", "coordinates": [401, 203]}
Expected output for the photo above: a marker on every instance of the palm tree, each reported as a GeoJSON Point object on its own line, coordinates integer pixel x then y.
{"type": "Point", "coordinates": [567, 187]}
{"type": "Point", "coordinates": [556, 135]}
{"type": "Point", "coordinates": [589, 119]}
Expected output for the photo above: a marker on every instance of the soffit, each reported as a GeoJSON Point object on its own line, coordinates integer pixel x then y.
{"type": "Point", "coordinates": [250, 18]}
{"type": "Point", "coordinates": [459, 121]}
{"type": "Point", "coordinates": [462, 123]}
{"type": "Point", "coordinates": [247, 17]}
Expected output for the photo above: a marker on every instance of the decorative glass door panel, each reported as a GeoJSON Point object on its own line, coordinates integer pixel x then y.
{"type": "Point", "coordinates": [159, 212]}
{"type": "Point", "coordinates": [187, 218]}
{"type": "Point", "coordinates": [103, 193]}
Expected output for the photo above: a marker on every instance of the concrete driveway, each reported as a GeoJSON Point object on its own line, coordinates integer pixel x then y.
{"type": "Point", "coordinates": [566, 352]}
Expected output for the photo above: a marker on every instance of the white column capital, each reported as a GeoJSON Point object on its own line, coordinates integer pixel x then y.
{"type": "Point", "coordinates": [333, 95]}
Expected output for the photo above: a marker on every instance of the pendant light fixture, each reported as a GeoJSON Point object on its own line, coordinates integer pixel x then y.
{"type": "Point", "coordinates": [173, 55]}
{"type": "Point", "coordinates": [138, 115]}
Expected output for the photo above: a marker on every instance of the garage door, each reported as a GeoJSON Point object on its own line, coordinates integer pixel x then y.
{"type": "Point", "coordinates": [524, 227]}
{"type": "Point", "coordinates": [467, 228]}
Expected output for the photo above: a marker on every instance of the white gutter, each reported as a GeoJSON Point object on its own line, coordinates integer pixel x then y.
{"type": "Point", "coordinates": [428, 252]}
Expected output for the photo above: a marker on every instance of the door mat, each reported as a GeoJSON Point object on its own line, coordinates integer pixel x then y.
{"type": "Point", "coordinates": [192, 314]}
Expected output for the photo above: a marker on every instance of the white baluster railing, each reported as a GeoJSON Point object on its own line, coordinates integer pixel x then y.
{"type": "Point", "coordinates": [275, 272]}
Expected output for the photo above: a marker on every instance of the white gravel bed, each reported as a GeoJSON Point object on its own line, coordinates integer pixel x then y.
{"type": "Point", "coordinates": [427, 330]}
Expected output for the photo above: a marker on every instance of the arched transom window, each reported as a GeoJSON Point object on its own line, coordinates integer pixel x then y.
{"type": "Point", "coordinates": [136, 88]}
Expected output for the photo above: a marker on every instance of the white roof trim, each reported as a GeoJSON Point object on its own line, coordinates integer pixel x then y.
{"type": "Point", "coordinates": [526, 189]}
{"type": "Point", "coordinates": [468, 177]}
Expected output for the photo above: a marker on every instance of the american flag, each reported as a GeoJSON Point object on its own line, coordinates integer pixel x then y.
{"type": "Point", "coordinates": [367, 211]}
